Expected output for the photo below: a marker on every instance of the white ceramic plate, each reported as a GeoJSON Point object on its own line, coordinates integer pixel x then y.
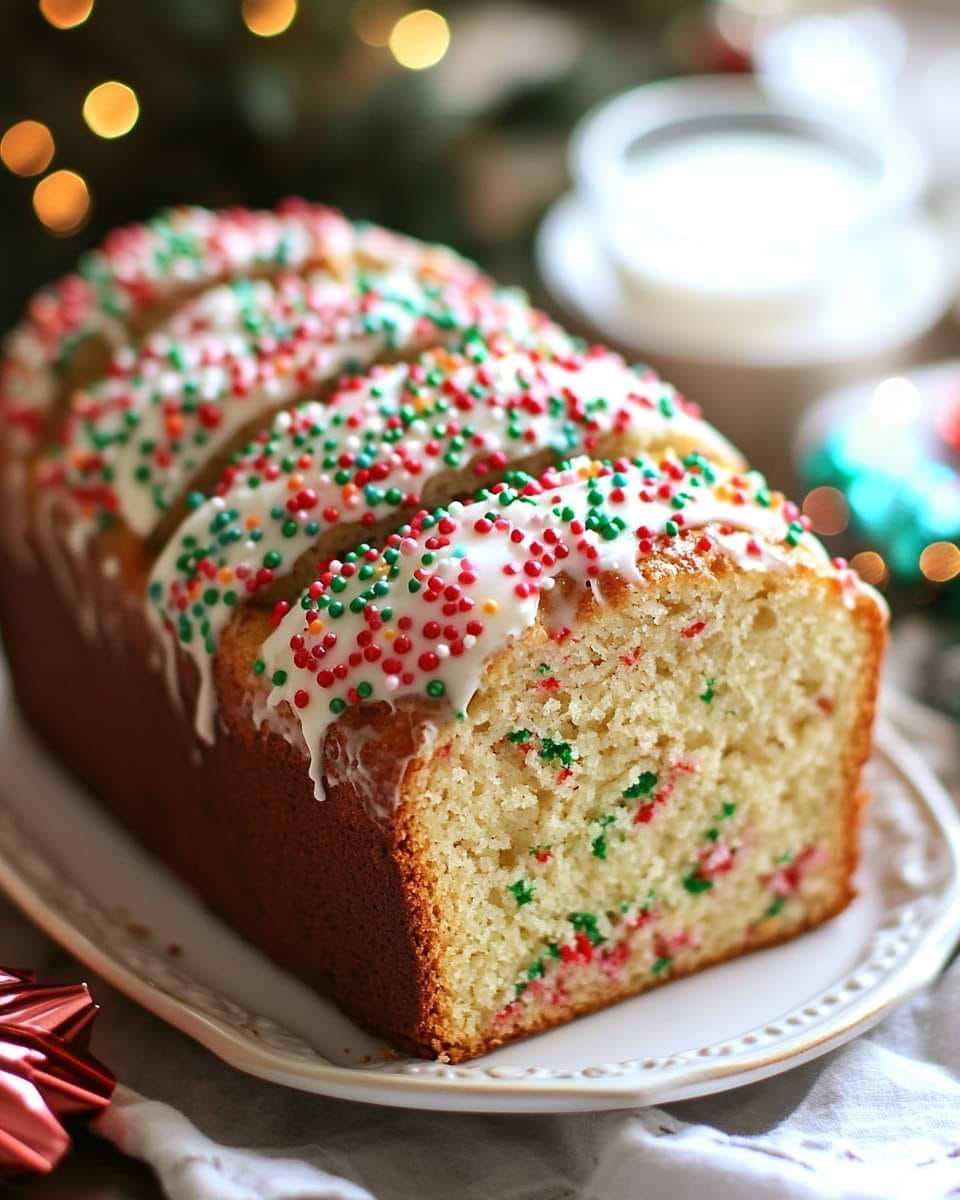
{"type": "Point", "coordinates": [89, 887]}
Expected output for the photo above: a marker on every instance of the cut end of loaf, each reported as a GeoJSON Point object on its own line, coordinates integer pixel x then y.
{"type": "Point", "coordinates": [670, 785]}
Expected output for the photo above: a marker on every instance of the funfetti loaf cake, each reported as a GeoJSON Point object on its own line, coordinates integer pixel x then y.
{"type": "Point", "coordinates": [461, 667]}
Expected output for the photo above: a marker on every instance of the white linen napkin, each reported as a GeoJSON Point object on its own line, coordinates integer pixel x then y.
{"type": "Point", "coordinates": [189, 1165]}
{"type": "Point", "coordinates": [878, 1119]}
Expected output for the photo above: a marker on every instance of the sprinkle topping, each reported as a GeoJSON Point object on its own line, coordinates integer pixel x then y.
{"type": "Point", "coordinates": [178, 252]}
{"type": "Point", "coordinates": [373, 452]}
{"type": "Point", "coordinates": [449, 589]}
{"type": "Point", "coordinates": [135, 440]}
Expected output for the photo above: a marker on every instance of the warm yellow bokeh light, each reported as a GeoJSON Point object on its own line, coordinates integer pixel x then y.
{"type": "Point", "coordinates": [66, 14]}
{"type": "Point", "coordinates": [111, 109]}
{"type": "Point", "coordinates": [827, 509]}
{"type": "Point", "coordinates": [870, 567]}
{"type": "Point", "coordinates": [373, 20]}
{"type": "Point", "coordinates": [267, 18]}
{"type": "Point", "coordinates": [62, 201]}
{"type": "Point", "coordinates": [420, 39]}
{"type": "Point", "coordinates": [26, 148]}
{"type": "Point", "coordinates": [940, 561]}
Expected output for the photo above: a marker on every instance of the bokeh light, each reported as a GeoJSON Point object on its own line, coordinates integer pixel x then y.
{"type": "Point", "coordinates": [66, 14]}
{"type": "Point", "coordinates": [111, 109]}
{"type": "Point", "coordinates": [27, 148]}
{"type": "Point", "coordinates": [828, 510]}
{"type": "Point", "coordinates": [940, 561]}
{"type": "Point", "coordinates": [897, 401]}
{"type": "Point", "coordinates": [870, 567]}
{"type": "Point", "coordinates": [420, 39]}
{"type": "Point", "coordinates": [62, 201]}
{"type": "Point", "coordinates": [267, 18]}
{"type": "Point", "coordinates": [373, 20]}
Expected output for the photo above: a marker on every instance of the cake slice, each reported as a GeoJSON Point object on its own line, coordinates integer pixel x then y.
{"type": "Point", "coordinates": [612, 724]}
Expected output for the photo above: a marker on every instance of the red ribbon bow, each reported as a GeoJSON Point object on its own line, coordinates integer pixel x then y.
{"type": "Point", "coordinates": [46, 1073]}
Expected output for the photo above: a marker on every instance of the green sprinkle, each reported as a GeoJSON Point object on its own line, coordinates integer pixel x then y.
{"type": "Point", "coordinates": [549, 750]}
{"type": "Point", "coordinates": [436, 688]}
{"type": "Point", "coordinates": [696, 884]}
{"type": "Point", "coordinates": [708, 695]}
{"type": "Point", "coordinates": [662, 964]}
{"type": "Point", "coordinates": [523, 892]}
{"type": "Point", "coordinates": [776, 907]}
{"type": "Point", "coordinates": [643, 786]}
{"type": "Point", "coordinates": [259, 667]}
{"type": "Point", "coordinates": [586, 923]}
{"type": "Point", "coordinates": [729, 808]}
{"type": "Point", "coordinates": [519, 736]}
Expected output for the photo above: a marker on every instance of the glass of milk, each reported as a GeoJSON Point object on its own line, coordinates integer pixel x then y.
{"type": "Point", "coordinates": [754, 250]}
{"type": "Point", "coordinates": [724, 206]}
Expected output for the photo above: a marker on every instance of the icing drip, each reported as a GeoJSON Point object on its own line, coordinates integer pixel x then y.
{"type": "Point", "coordinates": [180, 251]}
{"type": "Point", "coordinates": [422, 616]}
{"type": "Point", "coordinates": [134, 441]}
{"type": "Point", "coordinates": [373, 450]}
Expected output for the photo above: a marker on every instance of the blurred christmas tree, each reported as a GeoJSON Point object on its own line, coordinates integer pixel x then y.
{"type": "Point", "coordinates": [450, 124]}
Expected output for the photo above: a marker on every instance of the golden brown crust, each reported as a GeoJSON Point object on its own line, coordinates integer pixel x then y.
{"type": "Point", "coordinates": [322, 888]}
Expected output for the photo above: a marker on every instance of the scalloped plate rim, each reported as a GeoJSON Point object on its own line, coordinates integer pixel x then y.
{"type": "Point", "coordinates": [681, 1075]}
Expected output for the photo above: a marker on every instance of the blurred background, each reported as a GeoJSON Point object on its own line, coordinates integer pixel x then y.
{"type": "Point", "coordinates": [761, 198]}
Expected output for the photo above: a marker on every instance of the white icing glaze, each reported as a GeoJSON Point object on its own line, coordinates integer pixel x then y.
{"type": "Point", "coordinates": [487, 579]}
{"type": "Point", "coordinates": [143, 265]}
{"type": "Point", "coordinates": [52, 539]}
{"type": "Point", "coordinates": [520, 402]}
{"type": "Point", "coordinates": [137, 439]}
